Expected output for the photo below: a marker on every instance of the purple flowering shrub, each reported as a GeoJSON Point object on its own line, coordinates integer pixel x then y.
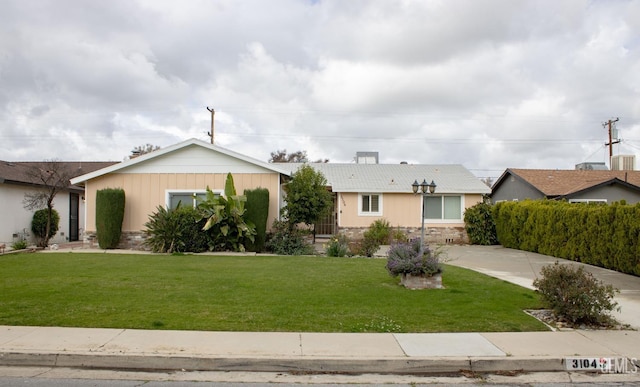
{"type": "Point", "coordinates": [412, 258]}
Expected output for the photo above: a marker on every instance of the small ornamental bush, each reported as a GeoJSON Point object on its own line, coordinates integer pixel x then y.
{"type": "Point", "coordinates": [575, 295]}
{"type": "Point", "coordinates": [338, 246]}
{"type": "Point", "coordinates": [19, 245]}
{"type": "Point", "coordinates": [379, 231]}
{"type": "Point", "coordinates": [287, 240]}
{"type": "Point", "coordinates": [39, 225]}
{"type": "Point", "coordinates": [399, 236]}
{"type": "Point", "coordinates": [412, 258]}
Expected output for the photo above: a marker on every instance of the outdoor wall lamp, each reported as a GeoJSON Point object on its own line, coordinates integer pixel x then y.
{"type": "Point", "coordinates": [424, 189]}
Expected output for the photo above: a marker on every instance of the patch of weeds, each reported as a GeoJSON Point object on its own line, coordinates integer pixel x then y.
{"type": "Point", "coordinates": [379, 324]}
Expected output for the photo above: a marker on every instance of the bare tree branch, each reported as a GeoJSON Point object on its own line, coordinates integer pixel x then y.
{"type": "Point", "coordinates": [51, 177]}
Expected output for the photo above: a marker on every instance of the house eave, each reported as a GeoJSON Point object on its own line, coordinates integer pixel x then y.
{"type": "Point", "coordinates": [172, 148]}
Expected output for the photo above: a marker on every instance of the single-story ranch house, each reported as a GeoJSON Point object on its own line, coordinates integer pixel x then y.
{"type": "Point", "coordinates": [362, 192]}
{"type": "Point", "coordinates": [17, 179]}
{"type": "Point", "coordinates": [577, 186]}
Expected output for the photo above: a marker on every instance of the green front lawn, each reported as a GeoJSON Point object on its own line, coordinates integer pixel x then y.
{"type": "Point", "coordinates": [263, 293]}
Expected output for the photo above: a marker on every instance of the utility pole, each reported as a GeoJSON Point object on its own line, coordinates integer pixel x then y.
{"type": "Point", "coordinates": [611, 142]}
{"type": "Point", "coordinates": [213, 112]}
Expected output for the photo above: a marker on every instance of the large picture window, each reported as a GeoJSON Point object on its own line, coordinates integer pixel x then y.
{"type": "Point", "coordinates": [439, 207]}
{"type": "Point", "coordinates": [370, 204]}
{"type": "Point", "coordinates": [186, 197]}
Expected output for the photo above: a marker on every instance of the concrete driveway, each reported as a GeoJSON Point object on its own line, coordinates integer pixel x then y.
{"type": "Point", "coordinates": [522, 267]}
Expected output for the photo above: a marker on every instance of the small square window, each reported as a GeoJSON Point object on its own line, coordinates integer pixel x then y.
{"type": "Point", "coordinates": [370, 204]}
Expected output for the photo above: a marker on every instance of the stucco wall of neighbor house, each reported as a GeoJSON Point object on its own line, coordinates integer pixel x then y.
{"type": "Point", "coordinates": [145, 192]}
{"type": "Point", "coordinates": [610, 193]}
{"type": "Point", "coordinates": [514, 189]}
{"type": "Point", "coordinates": [15, 218]}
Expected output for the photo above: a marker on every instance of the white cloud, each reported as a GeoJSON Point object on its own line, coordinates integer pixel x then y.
{"type": "Point", "coordinates": [491, 84]}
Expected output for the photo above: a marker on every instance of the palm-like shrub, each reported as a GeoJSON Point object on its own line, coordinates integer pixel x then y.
{"type": "Point", "coordinates": [228, 229]}
{"type": "Point", "coordinates": [176, 231]}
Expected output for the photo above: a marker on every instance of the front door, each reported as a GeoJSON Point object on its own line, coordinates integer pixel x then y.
{"type": "Point", "coordinates": [74, 222]}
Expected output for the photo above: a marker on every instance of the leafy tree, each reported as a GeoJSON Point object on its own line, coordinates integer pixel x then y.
{"type": "Point", "coordinates": [225, 219]}
{"type": "Point", "coordinates": [308, 199]}
{"type": "Point", "coordinates": [488, 181]}
{"type": "Point", "coordinates": [51, 177]}
{"type": "Point", "coordinates": [281, 156]}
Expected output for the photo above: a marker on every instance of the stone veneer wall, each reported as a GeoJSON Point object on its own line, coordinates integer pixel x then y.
{"type": "Point", "coordinates": [437, 235]}
{"type": "Point", "coordinates": [134, 240]}
{"type": "Point", "coordinates": [131, 240]}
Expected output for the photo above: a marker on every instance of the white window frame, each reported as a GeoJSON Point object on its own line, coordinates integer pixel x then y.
{"type": "Point", "coordinates": [441, 219]}
{"type": "Point", "coordinates": [370, 213]}
{"type": "Point", "coordinates": [169, 192]}
{"type": "Point", "coordinates": [588, 201]}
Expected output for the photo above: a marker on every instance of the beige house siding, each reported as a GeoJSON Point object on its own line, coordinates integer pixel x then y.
{"type": "Point", "coordinates": [144, 192]}
{"type": "Point", "coordinates": [471, 200]}
{"type": "Point", "coordinates": [397, 208]}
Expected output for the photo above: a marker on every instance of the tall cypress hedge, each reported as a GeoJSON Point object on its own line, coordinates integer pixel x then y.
{"type": "Point", "coordinates": [597, 234]}
{"type": "Point", "coordinates": [257, 211]}
{"type": "Point", "coordinates": [109, 216]}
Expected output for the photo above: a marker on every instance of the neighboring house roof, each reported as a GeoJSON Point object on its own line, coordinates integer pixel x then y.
{"type": "Point", "coordinates": [173, 148]}
{"type": "Point", "coordinates": [559, 183]}
{"type": "Point", "coordinates": [18, 172]}
{"type": "Point", "coordinates": [396, 178]}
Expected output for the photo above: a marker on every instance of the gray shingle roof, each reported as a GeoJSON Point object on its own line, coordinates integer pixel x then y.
{"type": "Point", "coordinates": [396, 178]}
{"type": "Point", "coordinates": [18, 172]}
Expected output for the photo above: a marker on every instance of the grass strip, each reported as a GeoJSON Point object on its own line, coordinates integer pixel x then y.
{"type": "Point", "coordinates": [250, 293]}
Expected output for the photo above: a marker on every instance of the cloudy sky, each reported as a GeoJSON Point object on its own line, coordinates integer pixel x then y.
{"type": "Point", "coordinates": [487, 84]}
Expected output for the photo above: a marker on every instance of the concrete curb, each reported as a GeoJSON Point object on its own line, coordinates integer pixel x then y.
{"type": "Point", "coordinates": [407, 366]}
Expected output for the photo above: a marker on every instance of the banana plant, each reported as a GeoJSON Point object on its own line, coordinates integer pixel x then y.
{"type": "Point", "coordinates": [225, 218]}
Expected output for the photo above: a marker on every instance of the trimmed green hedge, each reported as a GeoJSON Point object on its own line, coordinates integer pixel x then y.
{"type": "Point", "coordinates": [109, 217]}
{"type": "Point", "coordinates": [597, 234]}
{"type": "Point", "coordinates": [257, 207]}
{"type": "Point", "coordinates": [479, 224]}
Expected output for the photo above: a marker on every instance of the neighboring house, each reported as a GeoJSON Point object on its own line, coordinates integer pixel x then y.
{"type": "Point", "coordinates": [365, 192]}
{"type": "Point", "coordinates": [16, 179]}
{"type": "Point", "coordinates": [362, 192]}
{"type": "Point", "coordinates": [174, 174]}
{"type": "Point", "coordinates": [571, 185]}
